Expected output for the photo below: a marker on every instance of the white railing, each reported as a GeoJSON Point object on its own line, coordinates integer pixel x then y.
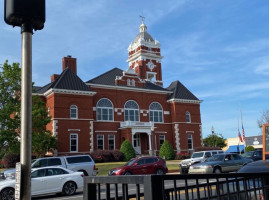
{"type": "Point", "coordinates": [136, 124]}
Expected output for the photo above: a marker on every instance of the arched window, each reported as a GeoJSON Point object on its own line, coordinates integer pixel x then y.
{"type": "Point", "coordinates": [131, 111]}
{"type": "Point", "coordinates": [73, 112]}
{"type": "Point", "coordinates": [104, 110]}
{"type": "Point", "coordinates": [155, 112]}
{"type": "Point", "coordinates": [128, 82]}
{"type": "Point", "coordinates": [188, 117]}
{"type": "Point", "coordinates": [133, 82]}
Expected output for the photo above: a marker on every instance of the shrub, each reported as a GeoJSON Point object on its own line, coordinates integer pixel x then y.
{"type": "Point", "coordinates": [10, 160]}
{"type": "Point", "coordinates": [117, 155]}
{"type": "Point", "coordinates": [249, 148]}
{"type": "Point", "coordinates": [167, 151]}
{"type": "Point", "coordinates": [127, 150]}
{"type": "Point", "coordinates": [182, 155]}
{"type": "Point", "coordinates": [107, 156]}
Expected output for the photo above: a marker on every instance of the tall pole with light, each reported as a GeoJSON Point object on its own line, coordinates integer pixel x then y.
{"type": "Point", "coordinates": [213, 136]}
{"type": "Point", "coordinates": [29, 15]}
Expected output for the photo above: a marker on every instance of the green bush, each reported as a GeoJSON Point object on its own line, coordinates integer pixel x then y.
{"type": "Point", "coordinates": [249, 148]}
{"type": "Point", "coordinates": [167, 151]}
{"type": "Point", "coordinates": [127, 150]}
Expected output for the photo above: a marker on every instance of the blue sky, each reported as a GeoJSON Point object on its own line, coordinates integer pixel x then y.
{"type": "Point", "coordinates": [218, 49]}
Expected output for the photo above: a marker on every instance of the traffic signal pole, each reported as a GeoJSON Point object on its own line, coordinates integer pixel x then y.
{"type": "Point", "coordinates": [26, 111]}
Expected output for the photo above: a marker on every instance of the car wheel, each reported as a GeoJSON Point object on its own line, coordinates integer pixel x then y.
{"type": "Point", "coordinates": [217, 170]}
{"type": "Point", "coordinates": [159, 172]}
{"type": "Point", "coordinates": [7, 194]}
{"type": "Point", "coordinates": [127, 173]}
{"type": "Point", "coordinates": [69, 188]}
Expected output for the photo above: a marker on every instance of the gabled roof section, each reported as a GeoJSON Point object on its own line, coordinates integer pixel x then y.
{"type": "Point", "coordinates": [109, 77]}
{"type": "Point", "coordinates": [66, 81]}
{"type": "Point", "coordinates": [180, 91]}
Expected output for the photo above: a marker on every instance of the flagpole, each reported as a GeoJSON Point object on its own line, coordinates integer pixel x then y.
{"type": "Point", "coordinates": [243, 131]}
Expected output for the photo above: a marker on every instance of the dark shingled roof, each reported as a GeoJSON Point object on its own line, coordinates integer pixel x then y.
{"type": "Point", "coordinates": [108, 78]}
{"type": "Point", "coordinates": [180, 91]}
{"type": "Point", "coordinates": [67, 80]}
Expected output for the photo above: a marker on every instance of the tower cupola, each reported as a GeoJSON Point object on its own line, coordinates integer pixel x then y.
{"type": "Point", "coordinates": [145, 56]}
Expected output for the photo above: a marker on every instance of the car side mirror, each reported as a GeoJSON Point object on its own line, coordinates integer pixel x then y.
{"type": "Point", "coordinates": [225, 159]}
{"type": "Point", "coordinates": [135, 164]}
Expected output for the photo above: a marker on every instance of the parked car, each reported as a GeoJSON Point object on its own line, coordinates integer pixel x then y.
{"type": "Point", "coordinates": [81, 163]}
{"type": "Point", "coordinates": [141, 165]}
{"type": "Point", "coordinates": [228, 162]}
{"type": "Point", "coordinates": [46, 181]}
{"type": "Point", "coordinates": [255, 167]}
{"type": "Point", "coordinates": [254, 155]}
{"type": "Point", "coordinates": [197, 157]}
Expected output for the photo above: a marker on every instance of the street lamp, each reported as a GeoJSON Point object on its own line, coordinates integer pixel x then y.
{"type": "Point", "coordinates": [213, 136]}
{"type": "Point", "coordinates": [29, 15]}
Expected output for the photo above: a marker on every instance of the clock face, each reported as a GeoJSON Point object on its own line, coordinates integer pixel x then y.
{"type": "Point", "coordinates": [151, 65]}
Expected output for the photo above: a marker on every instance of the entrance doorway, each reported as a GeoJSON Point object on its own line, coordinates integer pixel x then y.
{"type": "Point", "coordinates": [137, 143]}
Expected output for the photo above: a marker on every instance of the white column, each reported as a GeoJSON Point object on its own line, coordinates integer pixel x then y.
{"type": "Point", "coordinates": [149, 142]}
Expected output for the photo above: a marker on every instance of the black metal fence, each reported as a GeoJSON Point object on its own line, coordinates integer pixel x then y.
{"type": "Point", "coordinates": [232, 186]}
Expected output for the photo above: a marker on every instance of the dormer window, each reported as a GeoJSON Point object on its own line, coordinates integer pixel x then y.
{"type": "Point", "coordinates": [133, 82]}
{"type": "Point", "coordinates": [128, 82]}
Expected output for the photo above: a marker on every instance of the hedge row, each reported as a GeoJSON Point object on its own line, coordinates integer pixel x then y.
{"type": "Point", "coordinates": [107, 156]}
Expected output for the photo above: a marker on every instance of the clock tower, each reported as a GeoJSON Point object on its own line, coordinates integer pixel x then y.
{"type": "Point", "coordinates": [145, 56]}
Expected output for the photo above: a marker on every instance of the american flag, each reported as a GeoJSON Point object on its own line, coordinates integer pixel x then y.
{"type": "Point", "coordinates": [243, 133]}
{"type": "Point", "coordinates": [239, 135]}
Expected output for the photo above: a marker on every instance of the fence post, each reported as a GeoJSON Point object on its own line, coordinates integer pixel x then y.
{"type": "Point", "coordinates": [153, 187]}
{"type": "Point", "coordinates": [89, 191]}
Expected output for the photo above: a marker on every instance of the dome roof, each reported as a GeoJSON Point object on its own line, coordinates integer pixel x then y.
{"type": "Point", "coordinates": [143, 34]}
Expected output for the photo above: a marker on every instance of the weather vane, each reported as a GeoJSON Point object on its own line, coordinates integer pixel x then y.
{"type": "Point", "coordinates": [142, 18]}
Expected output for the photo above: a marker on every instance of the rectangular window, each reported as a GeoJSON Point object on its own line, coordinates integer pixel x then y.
{"type": "Point", "coordinates": [190, 144]}
{"type": "Point", "coordinates": [162, 139]}
{"type": "Point", "coordinates": [100, 142]}
{"type": "Point", "coordinates": [111, 142]}
{"type": "Point", "coordinates": [73, 142]}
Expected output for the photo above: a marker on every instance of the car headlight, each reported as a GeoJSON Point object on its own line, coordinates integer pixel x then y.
{"type": "Point", "coordinates": [114, 171]}
{"type": "Point", "coordinates": [191, 167]}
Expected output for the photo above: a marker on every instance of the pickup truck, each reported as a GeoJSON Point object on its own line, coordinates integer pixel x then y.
{"type": "Point", "coordinates": [82, 163]}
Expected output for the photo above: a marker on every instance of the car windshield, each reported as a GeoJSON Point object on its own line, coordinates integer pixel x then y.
{"type": "Point", "coordinates": [216, 158]}
{"type": "Point", "coordinates": [33, 161]}
{"type": "Point", "coordinates": [130, 162]}
{"type": "Point", "coordinates": [197, 155]}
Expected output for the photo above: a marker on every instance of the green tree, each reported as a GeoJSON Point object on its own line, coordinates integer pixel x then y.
{"type": "Point", "coordinates": [215, 140]}
{"type": "Point", "coordinates": [10, 104]}
{"type": "Point", "coordinates": [42, 140]}
{"type": "Point", "coordinates": [264, 119]}
{"type": "Point", "coordinates": [127, 150]}
{"type": "Point", "coordinates": [10, 76]}
{"type": "Point", "coordinates": [167, 151]}
{"type": "Point", "coordinates": [249, 148]}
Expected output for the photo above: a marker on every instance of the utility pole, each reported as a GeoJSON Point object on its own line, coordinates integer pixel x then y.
{"type": "Point", "coordinates": [29, 15]}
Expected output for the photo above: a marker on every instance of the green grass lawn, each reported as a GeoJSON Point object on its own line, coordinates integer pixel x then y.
{"type": "Point", "coordinates": [103, 168]}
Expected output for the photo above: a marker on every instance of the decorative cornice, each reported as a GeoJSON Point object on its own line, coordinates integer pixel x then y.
{"type": "Point", "coordinates": [128, 88]}
{"type": "Point", "coordinates": [144, 56]}
{"type": "Point", "coordinates": [64, 91]}
{"type": "Point", "coordinates": [185, 101]}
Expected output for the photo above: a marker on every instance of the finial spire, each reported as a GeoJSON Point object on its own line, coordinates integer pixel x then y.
{"type": "Point", "coordinates": [142, 18]}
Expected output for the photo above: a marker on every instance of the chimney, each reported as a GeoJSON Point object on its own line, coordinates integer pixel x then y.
{"type": "Point", "coordinates": [71, 63]}
{"type": "Point", "coordinates": [54, 77]}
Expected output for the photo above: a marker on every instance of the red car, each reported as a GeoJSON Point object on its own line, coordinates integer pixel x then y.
{"type": "Point", "coordinates": [141, 165]}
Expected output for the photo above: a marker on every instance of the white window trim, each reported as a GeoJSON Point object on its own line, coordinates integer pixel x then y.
{"type": "Point", "coordinates": [132, 109]}
{"type": "Point", "coordinates": [113, 141]}
{"type": "Point", "coordinates": [191, 141]}
{"type": "Point", "coordinates": [104, 108]}
{"type": "Point", "coordinates": [103, 141]}
{"type": "Point", "coordinates": [76, 112]}
{"type": "Point", "coordinates": [76, 141]}
{"type": "Point", "coordinates": [156, 110]}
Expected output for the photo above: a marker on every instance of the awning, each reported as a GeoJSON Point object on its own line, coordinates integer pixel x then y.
{"type": "Point", "coordinates": [236, 149]}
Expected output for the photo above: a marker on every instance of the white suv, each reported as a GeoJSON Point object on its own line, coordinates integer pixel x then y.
{"type": "Point", "coordinates": [197, 157]}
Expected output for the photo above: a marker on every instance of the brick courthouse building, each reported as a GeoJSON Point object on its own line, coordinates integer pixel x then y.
{"type": "Point", "coordinates": [122, 105]}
